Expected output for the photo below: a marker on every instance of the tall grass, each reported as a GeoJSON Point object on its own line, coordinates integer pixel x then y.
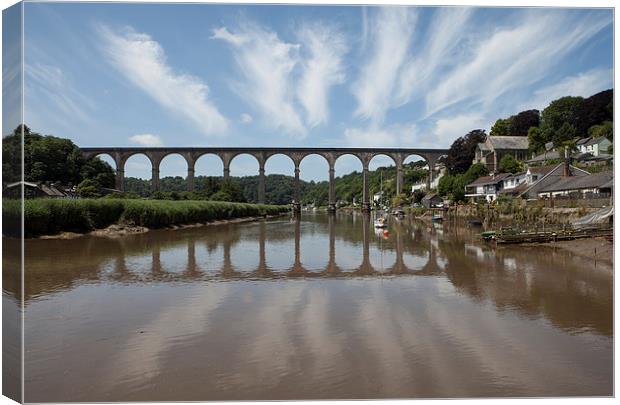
{"type": "Point", "coordinates": [51, 216]}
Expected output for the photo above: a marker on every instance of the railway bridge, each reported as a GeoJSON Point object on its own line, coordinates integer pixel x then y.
{"type": "Point", "coordinates": [262, 154]}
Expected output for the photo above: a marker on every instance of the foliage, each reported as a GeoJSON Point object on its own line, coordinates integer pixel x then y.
{"type": "Point", "coordinates": [605, 129]}
{"type": "Point", "coordinates": [536, 140]}
{"type": "Point", "coordinates": [594, 110]}
{"type": "Point", "coordinates": [508, 164]}
{"type": "Point", "coordinates": [523, 121]}
{"type": "Point", "coordinates": [49, 158]}
{"type": "Point", "coordinates": [453, 186]}
{"type": "Point", "coordinates": [89, 188]}
{"type": "Point", "coordinates": [51, 216]}
{"type": "Point", "coordinates": [462, 151]}
{"type": "Point", "coordinates": [501, 127]}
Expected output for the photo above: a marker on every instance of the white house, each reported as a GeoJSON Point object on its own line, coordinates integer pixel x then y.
{"type": "Point", "coordinates": [595, 146]}
{"type": "Point", "coordinates": [487, 187]}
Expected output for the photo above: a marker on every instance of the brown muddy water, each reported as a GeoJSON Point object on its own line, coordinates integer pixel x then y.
{"type": "Point", "coordinates": [319, 308]}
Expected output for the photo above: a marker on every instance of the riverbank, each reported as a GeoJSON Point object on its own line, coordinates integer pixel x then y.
{"type": "Point", "coordinates": [53, 217]}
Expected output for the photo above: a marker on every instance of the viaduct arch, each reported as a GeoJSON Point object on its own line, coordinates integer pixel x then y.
{"type": "Point", "coordinates": [262, 154]}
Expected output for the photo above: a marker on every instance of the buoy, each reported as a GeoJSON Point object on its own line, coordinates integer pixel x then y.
{"type": "Point", "coordinates": [386, 233]}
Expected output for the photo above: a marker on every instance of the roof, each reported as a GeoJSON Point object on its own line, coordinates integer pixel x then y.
{"type": "Point", "coordinates": [431, 196]}
{"type": "Point", "coordinates": [509, 142]}
{"type": "Point", "coordinates": [554, 154]}
{"type": "Point", "coordinates": [582, 141]}
{"type": "Point", "coordinates": [484, 180]}
{"type": "Point", "coordinates": [543, 169]}
{"type": "Point", "coordinates": [483, 147]}
{"type": "Point", "coordinates": [515, 190]}
{"type": "Point", "coordinates": [609, 184]}
{"type": "Point", "coordinates": [19, 183]}
{"type": "Point", "coordinates": [595, 180]}
{"type": "Point", "coordinates": [594, 141]}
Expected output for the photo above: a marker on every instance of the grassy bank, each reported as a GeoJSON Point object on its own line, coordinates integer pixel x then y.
{"type": "Point", "coordinates": [49, 217]}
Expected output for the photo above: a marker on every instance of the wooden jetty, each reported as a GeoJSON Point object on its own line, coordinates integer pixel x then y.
{"type": "Point", "coordinates": [511, 236]}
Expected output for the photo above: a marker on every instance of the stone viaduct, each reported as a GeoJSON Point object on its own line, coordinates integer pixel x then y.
{"type": "Point", "coordinates": [262, 154]}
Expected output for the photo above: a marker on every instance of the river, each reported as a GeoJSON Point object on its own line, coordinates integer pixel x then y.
{"type": "Point", "coordinates": [322, 307]}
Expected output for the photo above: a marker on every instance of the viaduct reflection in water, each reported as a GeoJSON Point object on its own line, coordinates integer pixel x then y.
{"type": "Point", "coordinates": [534, 281]}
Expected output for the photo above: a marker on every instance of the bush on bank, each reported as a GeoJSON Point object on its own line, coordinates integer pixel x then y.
{"type": "Point", "coordinates": [48, 216]}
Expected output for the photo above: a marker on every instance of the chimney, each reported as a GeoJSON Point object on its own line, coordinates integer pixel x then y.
{"type": "Point", "coordinates": [566, 162]}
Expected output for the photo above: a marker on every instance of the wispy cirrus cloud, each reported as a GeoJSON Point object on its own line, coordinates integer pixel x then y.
{"type": "Point", "coordinates": [391, 32]}
{"type": "Point", "coordinates": [513, 58]}
{"type": "Point", "coordinates": [52, 84]}
{"type": "Point", "coordinates": [279, 75]}
{"type": "Point", "coordinates": [143, 62]}
{"type": "Point", "coordinates": [440, 47]}
{"type": "Point", "coordinates": [322, 69]}
{"type": "Point", "coordinates": [266, 63]}
{"type": "Point", "coordinates": [146, 140]}
{"type": "Point", "coordinates": [583, 84]}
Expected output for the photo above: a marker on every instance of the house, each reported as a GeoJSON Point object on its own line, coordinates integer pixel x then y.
{"type": "Point", "coordinates": [595, 146]}
{"type": "Point", "coordinates": [540, 177]}
{"type": "Point", "coordinates": [514, 184]}
{"type": "Point", "coordinates": [37, 190]}
{"type": "Point", "coordinates": [486, 187]}
{"type": "Point", "coordinates": [495, 148]}
{"type": "Point", "coordinates": [432, 200]}
{"type": "Point", "coordinates": [377, 196]}
{"type": "Point", "coordinates": [440, 171]}
{"type": "Point", "coordinates": [592, 185]}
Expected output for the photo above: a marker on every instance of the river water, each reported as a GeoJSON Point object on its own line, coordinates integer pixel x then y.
{"type": "Point", "coordinates": [324, 307]}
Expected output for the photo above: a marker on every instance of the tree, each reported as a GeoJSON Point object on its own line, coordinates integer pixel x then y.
{"type": "Point", "coordinates": [49, 158]}
{"type": "Point", "coordinates": [501, 127]}
{"type": "Point", "coordinates": [605, 129]}
{"type": "Point", "coordinates": [559, 112]}
{"type": "Point", "coordinates": [594, 110]}
{"type": "Point", "coordinates": [508, 164]}
{"type": "Point", "coordinates": [564, 135]}
{"type": "Point", "coordinates": [536, 140]}
{"type": "Point", "coordinates": [475, 171]}
{"type": "Point", "coordinates": [462, 151]}
{"type": "Point", "coordinates": [523, 121]}
{"type": "Point", "coordinates": [89, 188]}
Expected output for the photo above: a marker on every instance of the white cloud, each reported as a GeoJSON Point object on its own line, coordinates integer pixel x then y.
{"type": "Point", "coordinates": [322, 70]}
{"type": "Point", "coordinates": [391, 33]}
{"type": "Point", "coordinates": [513, 58]}
{"type": "Point", "coordinates": [446, 130]}
{"type": "Point", "coordinates": [447, 30]}
{"type": "Point", "coordinates": [143, 62]}
{"type": "Point", "coordinates": [267, 64]}
{"type": "Point", "coordinates": [49, 85]}
{"type": "Point", "coordinates": [583, 84]}
{"type": "Point", "coordinates": [246, 118]}
{"type": "Point", "coordinates": [146, 140]}
{"type": "Point", "coordinates": [374, 136]}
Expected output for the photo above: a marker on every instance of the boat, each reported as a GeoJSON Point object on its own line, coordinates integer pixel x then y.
{"type": "Point", "coordinates": [474, 222]}
{"type": "Point", "coordinates": [380, 223]}
{"type": "Point", "coordinates": [488, 235]}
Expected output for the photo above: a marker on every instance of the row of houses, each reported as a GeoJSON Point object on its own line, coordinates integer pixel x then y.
{"type": "Point", "coordinates": [590, 151]}
{"type": "Point", "coordinates": [559, 180]}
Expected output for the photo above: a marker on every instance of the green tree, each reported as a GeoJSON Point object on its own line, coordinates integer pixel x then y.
{"type": "Point", "coordinates": [462, 151]}
{"type": "Point", "coordinates": [501, 127]}
{"type": "Point", "coordinates": [89, 188]}
{"type": "Point", "coordinates": [508, 164]}
{"type": "Point", "coordinates": [536, 140]}
{"type": "Point", "coordinates": [523, 121]}
{"type": "Point", "coordinates": [605, 129]}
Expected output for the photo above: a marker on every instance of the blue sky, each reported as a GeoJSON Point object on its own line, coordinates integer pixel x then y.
{"type": "Point", "coordinates": [119, 74]}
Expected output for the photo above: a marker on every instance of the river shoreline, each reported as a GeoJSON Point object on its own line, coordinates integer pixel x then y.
{"type": "Point", "coordinates": [120, 230]}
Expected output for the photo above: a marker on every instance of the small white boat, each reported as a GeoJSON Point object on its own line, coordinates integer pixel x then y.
{"type": "Point", "coordinates": [380, 223]}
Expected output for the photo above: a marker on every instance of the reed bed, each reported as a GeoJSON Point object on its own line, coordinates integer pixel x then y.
{"type": "Point", "coordinates": [52, 216]}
